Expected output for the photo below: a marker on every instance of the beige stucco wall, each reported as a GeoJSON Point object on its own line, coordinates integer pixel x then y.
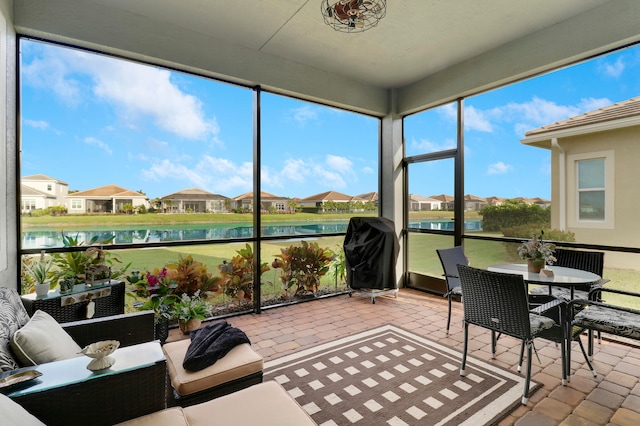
{"type": "Point", "coordinates": [625, 232]}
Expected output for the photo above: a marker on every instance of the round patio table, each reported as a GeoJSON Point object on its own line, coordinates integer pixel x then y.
{"type": "Point", "coordinates": [562, 277]}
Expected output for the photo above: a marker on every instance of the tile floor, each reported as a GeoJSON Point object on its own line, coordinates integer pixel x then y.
{"type": "Point", "coordinates": [612, 398]}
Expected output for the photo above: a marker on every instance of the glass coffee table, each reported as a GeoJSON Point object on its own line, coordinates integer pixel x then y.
{"type": "Point", "coordinates": [67, 393]}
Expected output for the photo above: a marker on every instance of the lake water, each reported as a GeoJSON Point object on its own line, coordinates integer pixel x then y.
{"type": "Point", "coordinates": [43, 238]}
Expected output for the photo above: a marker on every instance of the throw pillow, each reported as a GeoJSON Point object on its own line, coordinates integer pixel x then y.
{"type": "Point", "coordinates": [13, 315]}
{"type": "Point", "coordinates": [42, 340]}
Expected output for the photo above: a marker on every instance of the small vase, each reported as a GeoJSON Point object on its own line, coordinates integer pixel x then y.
{"type": "Point", "coordinates": [535, 265]}
{"type": "Point", "coordinates": [189, 325]}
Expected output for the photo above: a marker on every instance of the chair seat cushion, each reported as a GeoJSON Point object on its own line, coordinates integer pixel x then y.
{"type": "Point", "coordinates": [560, 293]}
{"type": "Point", "coordinates": [241, 361]}
{"type": "Point", "coordinates": [42, 340]}
{"type": "Point", "coordinates": [539, 323]}
{"type": "Point", "coordinates": [609, 320]}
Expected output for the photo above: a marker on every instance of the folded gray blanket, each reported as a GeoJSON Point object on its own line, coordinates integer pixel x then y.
{"type": "Point", "coordinates": [210, 343]}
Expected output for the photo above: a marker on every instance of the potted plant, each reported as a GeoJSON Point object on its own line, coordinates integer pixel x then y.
{"type": "Point", "coordinates": [537, 253]}
{"type": "Point", "coordinates": [40, 273]}
{"type": "Point", "coordinates": [158, 289]}
{"type": "Point", "coordinates": [190, 311]}
{"type": "Point", "coordinates": [67, 282]}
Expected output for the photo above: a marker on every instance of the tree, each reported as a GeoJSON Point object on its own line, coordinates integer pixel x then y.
{"type": "Point", "coordinates": [169, 203]}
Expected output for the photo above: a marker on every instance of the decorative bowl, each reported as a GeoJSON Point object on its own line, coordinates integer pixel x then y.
{"type": "Point", "coordinates": [100, 352]}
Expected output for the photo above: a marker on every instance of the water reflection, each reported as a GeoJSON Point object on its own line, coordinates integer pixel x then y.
{"type": "Point", "coordinates": [35, 239]}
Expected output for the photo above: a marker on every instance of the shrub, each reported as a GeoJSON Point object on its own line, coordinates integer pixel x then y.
{"type": "Point", "coordinates": [237, 277]}
{"type": "Point", "coordinates": [514, 213]}
{"type": "Point", "coordinates": [303, 266]}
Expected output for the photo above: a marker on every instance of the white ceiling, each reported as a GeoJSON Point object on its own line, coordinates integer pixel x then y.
{"type": "Point", "coordinates": [420, 46]}
{"type": "Point", "coordinates": [414, 40]}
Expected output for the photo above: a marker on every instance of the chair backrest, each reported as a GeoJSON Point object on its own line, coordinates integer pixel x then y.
{"type": "Point", "coordinates": [590, 261]}
{"type": "Point", "coordinates": [450, 259]}
{"type": "Point", "coordinates": [495, 301]}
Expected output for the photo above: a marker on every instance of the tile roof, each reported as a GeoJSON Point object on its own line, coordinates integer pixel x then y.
{"type": "Point", "coordinates": [624, 109]}
{"type": "Point", "coordinates": [107, 191]}
{"type": "Point", "coordinates": [332, 196]}
{"type": "Point", "coordinates": [194, 193]}
{"type": "Point", "coordinates": [42, 177]}
{"type": "Point", "coordinates": [263, 196]}
{"type": "Point", "coordinates": [369, 196]}
{"type": "Point", "coordinates": [443, 197]}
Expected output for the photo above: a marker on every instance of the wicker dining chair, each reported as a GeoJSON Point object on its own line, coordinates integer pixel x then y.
{"type": "Point", "coordinates": [499, 302]}
{"type": "Point", "coordinates": [450, 259]}
{"type": "Point", "coordinates": [590, 261]}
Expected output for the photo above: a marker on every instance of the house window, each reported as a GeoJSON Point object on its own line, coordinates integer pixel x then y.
{"type": "Point", "coordinates": [591, 189]}
{"type": "Point", "coordinates": [590, 181]}
{"type": "Point", "coordinates": [76, 204]}
{"type": "Point", "coordinates": [28, 204]}
{"type": "Point", "coordinates": [49, 187]}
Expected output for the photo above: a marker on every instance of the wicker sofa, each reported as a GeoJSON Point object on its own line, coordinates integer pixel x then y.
{"type": "Point", "coordinates": [74, 403]}
{"type": "Point", "coordinates": [262, 404]}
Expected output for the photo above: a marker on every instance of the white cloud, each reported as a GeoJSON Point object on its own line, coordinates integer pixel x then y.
{"type": "Point", "coordinates": [367, 170]}
{"type": "Point", "coordinates": [340, 164]}
{"type": "Point", "coordinates": [328, 178]}
{"type": "Point", "coordinates": [499, 168]}
{"type": "Point", "coordinates": [51, 73]}
{"type": "Point", "coordinates": [475, 119]}
{"type": "Point", "coordinates": [37, 124]}
{"type": "Point", "coordinates": [613, 69]}
{"type": "Point", "coordinates": [295, 170]}
{"type": "Point", "coordinates": [96, 142]}
{"type": "Point", "coordinates": [304, 114]}
{"type": "Point", "coordinates": [136, 90]}
{"type": "Point", "coordinates": [529, 115]}
{"type": "Point", "coordinates": [424, 145]}
{"type": "Point", "coordinates": [218, 175]}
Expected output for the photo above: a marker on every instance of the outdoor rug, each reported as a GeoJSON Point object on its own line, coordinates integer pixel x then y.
{"type": "Point", "coordinates": [389, 376]}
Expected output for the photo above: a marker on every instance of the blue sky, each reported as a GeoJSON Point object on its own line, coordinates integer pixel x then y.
{"type": "Point", "coordinates": [91, 120]}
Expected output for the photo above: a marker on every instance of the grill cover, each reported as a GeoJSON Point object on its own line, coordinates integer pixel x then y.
{"type": "Point", "coordinates": [371, 250]}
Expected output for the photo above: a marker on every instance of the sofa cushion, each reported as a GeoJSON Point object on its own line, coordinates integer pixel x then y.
{"type": "Point", "coordinates": [12, 413]}
{"type": "Point", "coordinates": [241, 361]}
{"type": "Point", "coordinates": [169, 417]}
{"type": "Point", "coordinates": [42, 340]}
{"type": "Point", "coordinates": [266, 403]}
{"type": "Point", "coordinates": [13, 315]}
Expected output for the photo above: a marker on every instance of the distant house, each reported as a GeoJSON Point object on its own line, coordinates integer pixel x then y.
{"type": "Point", "coordinates": [330, 200]}
{"type": "Point", "coordinates": [369, 196]}
{"type": "Point", "coordinates": [594, 162]}
{"type": "Point", "coordinates": [41, 191]}
{"type": "Point", "coordinates": [419, 203]}
{"type": "Point", "coordinates": [494, 200]}
{"type": "Point", "coordinates": [105, 199]}
{"type": "Point", "coordinates": [447, 201]}
{"type": "Point", "coordinates": [267, 201]}
{"type": "Point", "coordinates": [539, 201]}
{"type": "Point", "coordinates": [473, 203]}
{"type": "Point", "coordinates": [194, 200]}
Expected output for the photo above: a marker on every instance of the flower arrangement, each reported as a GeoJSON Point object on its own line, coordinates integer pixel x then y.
{"type": "Point", "coordinates": [189, 307]}
{"type": "Point", "coordinates": [538, 251]}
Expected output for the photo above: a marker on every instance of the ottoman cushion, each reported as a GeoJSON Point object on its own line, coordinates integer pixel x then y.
{"type": "Point", "coordinates": [241, 361]}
